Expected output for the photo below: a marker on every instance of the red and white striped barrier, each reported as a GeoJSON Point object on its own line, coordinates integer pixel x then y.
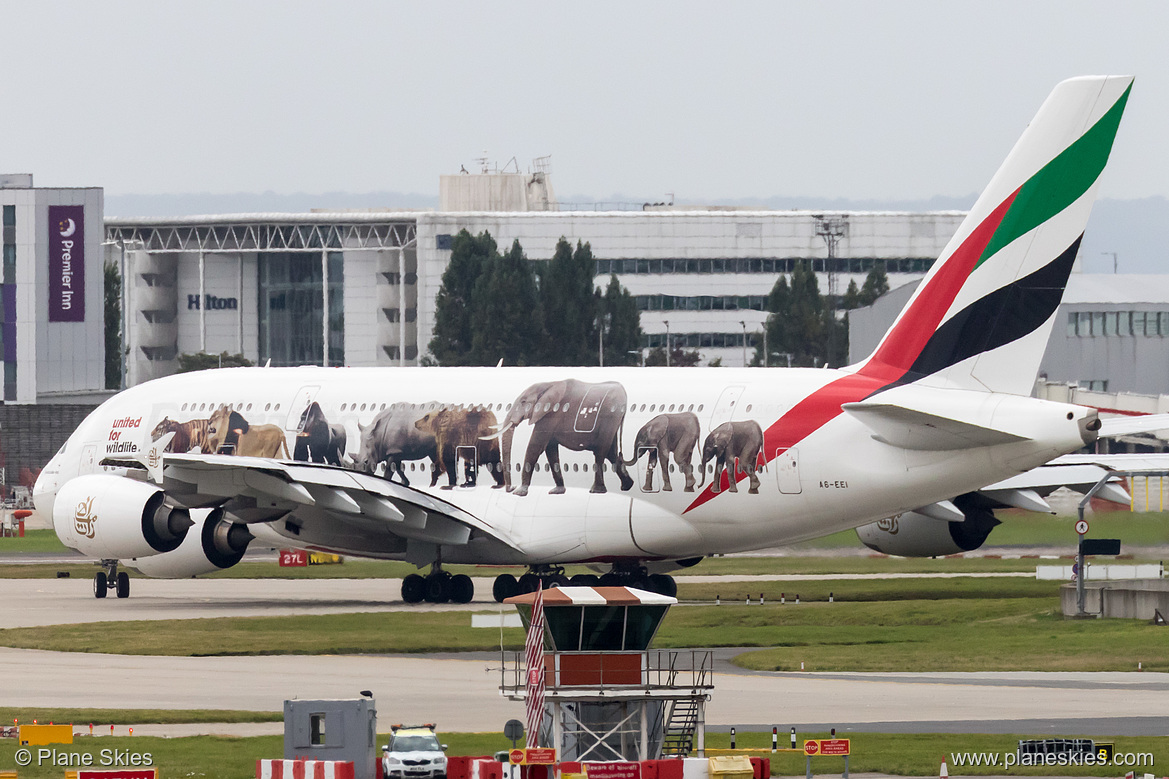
{"type": "Point", "coordinates": [304, 769]}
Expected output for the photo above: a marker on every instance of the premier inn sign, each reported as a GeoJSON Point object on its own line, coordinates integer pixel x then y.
{"type": "Point", "coordinates": [66, 264]}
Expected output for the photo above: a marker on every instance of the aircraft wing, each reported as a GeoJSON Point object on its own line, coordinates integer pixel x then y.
{"type": "Point", "coordinates": [329, 501]}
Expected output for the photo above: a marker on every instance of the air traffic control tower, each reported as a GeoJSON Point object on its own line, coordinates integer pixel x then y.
{"type": "Point", "coordinates": [608, 696]}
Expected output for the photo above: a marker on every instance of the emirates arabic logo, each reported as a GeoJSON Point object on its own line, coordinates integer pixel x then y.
{"type": "Point", "coordinates": [889, 525]}
{"type": "Point", "coordinates": [84, 518]}
{"type": "Point", "coordinates": [153, 457]}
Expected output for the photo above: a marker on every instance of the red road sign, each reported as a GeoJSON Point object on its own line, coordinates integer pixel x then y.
{"type": "Point", "coordinates": [541, 756]}
{"type": "Point", "coordinates": [827, 746]}
{"type": "Point", "coordinates": [1082, 526]}
{"type": "Point", "coordinates": [613, 770]}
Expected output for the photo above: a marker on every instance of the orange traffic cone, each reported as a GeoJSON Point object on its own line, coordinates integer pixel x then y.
{"type": "Point", "coordinates": [944, 772]}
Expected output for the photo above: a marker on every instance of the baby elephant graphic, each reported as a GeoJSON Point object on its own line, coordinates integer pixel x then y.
{"type": "Point", "coordinates": [733, 446]}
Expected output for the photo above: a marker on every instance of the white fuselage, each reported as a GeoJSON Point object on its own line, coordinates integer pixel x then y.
{"type": "Point", "coordinates": [819, 469]}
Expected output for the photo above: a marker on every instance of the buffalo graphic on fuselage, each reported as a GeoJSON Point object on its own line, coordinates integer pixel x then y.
{"type": "Point", "coordinates": [468, 435]}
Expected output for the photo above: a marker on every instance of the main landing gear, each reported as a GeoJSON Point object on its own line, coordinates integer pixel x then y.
{"type": "Point", "coordinates": [111, 579]}
{"type": "Point", "coordinates": [635, 576]}
{"type": "Point", "coordinates": [438, 587]}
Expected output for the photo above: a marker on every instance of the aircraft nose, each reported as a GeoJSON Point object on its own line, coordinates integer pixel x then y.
{"type": "Point", "coordinates": [44, 492]}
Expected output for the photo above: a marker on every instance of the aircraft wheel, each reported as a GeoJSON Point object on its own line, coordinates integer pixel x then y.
{"type": "Point", "coordinates": [413, 588]}
{"type": "Point", "coordinates": [611, 580]}
{"type": "Point", "coordinates": [505, 586]}
{"type": "Point", "coordinates": [461, 589]}
{"type": "Point", "coordinates": [663, 585]}
{"type": "Point", "coordinates": [100, 585]}
{"type": "Point", "coordinates": [438, 587]}
{"type": "Point", "coordinates": [558, 580]}
{"type": "Point", "coordinates": [123, 584]}
{"type": "Point", "coordinates": [528, 583]}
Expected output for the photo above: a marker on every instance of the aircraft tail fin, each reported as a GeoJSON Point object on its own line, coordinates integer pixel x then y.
{"type": "Point", "coordinates": [981, 317]}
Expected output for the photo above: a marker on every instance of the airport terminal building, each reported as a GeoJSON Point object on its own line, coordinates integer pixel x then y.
{"type": "Point", "coordinates": [358, 288]}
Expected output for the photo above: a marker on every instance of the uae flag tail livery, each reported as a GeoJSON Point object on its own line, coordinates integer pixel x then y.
{"type": "Point", "coordinates": [981, 317]}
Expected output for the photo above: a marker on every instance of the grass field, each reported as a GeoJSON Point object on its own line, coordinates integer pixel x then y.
{"type": "Point", "coordinates": [904, 755]}
{"type": "Point", "coordinates": [962, 624]}
{"type": "Point", "coordinates": [109, 717]}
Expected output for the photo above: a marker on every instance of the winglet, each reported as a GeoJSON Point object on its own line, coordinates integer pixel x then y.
{"type": "Point", "coordinates": [154, 457]}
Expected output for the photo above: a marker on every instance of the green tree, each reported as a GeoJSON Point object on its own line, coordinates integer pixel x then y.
{"type": "Point", "coordinates": [621, 325]}
{"type": "Point", "coordinates": [570, 306]}
{"type": "Point", "coordinates": [201, 361]}
{"type": "Point", "coordinates": [453, 328]}
{"type": "Point", "coordinates": [507, 321]}
{"type": "Point", "coordinates": [113, 326]}
{"type": "Point", "coordinates": [801, 324]}
{"type": "Point", "coordinates": [876, 284]}
{"type": "Point", "coordinates": [679, 357]}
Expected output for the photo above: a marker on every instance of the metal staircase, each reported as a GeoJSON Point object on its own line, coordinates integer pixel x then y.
{"type": "Point", "coordinates": [681, 725]}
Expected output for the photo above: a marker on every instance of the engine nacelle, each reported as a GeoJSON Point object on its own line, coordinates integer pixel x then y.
{"type": "Point", "coordinates": [916, 535]}
{"type": "Point", "coordinates": [214, 544]}
{"type": "Point", "coordinates": [112, 517]}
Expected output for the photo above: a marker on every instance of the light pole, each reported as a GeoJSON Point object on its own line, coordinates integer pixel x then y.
{"type": "Point", "coordinates": [667, 343]}
{"type": "Point", "coordinates": [744, 324]}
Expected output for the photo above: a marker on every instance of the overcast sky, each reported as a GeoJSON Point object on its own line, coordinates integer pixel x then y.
{"type": "Point", "coordinates": [707, 100]}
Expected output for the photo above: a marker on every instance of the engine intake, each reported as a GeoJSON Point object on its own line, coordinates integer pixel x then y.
{"type": "Point", "coordinates": [113, 517]}
{"type": "Point", "coordinates": [219, 543]}
{"type": "Point", "coordinates": [916, 535]}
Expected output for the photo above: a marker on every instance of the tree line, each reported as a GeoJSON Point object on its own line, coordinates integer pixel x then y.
{"type": "Point", "coordinates": [496, 306]}
{"type": "Point", "coordinates": [802, 327]}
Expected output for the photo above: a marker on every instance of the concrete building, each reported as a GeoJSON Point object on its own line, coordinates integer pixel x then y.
{"type": "Point", "coordinates": [252, 284]}
{"type": "Point", "coordinates": [52, 322]}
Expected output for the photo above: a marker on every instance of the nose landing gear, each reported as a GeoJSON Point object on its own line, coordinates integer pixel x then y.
{"type": "Point", "coordinates": [111, 579]}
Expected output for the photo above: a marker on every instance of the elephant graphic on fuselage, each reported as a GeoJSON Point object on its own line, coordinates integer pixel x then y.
{"type": "Point", "coordinates": [731, 442]}
{"type": "Point", "coordinates": [665, 435]}
{"type": "Point", "coordinates": [573, 414]}
{"type": "Point", "coordinates": [468, 434]}
{"type": "Point", "coordinates": [393, 438]}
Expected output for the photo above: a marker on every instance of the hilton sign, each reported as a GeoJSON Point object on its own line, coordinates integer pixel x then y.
{"type": "Point", "coordinates": [213, 303]}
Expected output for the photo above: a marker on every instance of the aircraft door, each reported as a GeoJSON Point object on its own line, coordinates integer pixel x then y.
{"type": "Point", "coordinates": [648, 464]}
{"type": "Point", "coordinates": [724, 409]}
{"type": "Point", "coordinates": [89, 459]}
{"type": "Point", "coordinates": [466, 457]}
{"type": "Point", "coordinates": [787, 471]}
{"type": "Point", "coordinates": [304, 396]}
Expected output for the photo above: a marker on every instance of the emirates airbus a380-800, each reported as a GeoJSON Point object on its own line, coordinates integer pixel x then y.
{"type": "Point", "coordinates": [634, 471]}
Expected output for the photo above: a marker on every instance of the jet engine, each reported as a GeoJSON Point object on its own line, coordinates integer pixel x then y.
{"type": "Point", "coordinates": [916, 535]}
{"type": "Point", "coordinates": [214, 544]}
{"type": "Point", "coordinates": [112, 517]}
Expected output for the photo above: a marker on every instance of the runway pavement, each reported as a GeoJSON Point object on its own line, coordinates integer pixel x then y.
{"type": "Point", "coordinates": [463, 694]}
{"type": "Point", "coordinates": [461, 691]}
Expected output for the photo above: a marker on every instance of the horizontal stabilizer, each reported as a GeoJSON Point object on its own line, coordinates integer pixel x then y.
{"type": "Point", "coordinates": [909, 428]}
{"type": "Point", "coordinates": [1146, 423]}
